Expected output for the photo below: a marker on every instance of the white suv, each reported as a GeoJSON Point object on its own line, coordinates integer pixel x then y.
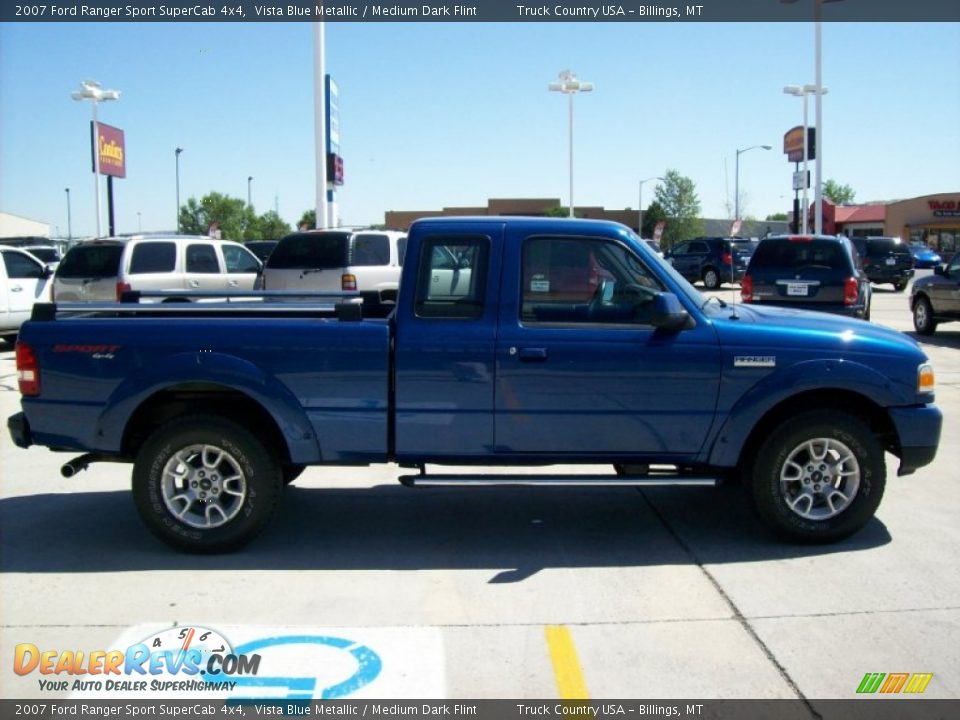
{"type": "Point", "coordinates": [23, 281]}
{"type": "Point", "coordinates": [102, 270]}
{"type": "Point", "coordinates": [337, 260]}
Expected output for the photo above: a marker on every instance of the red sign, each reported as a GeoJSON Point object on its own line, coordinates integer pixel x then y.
{"type": "Point", "coordinates": [735, 227]}
{"type": "Point", "coordinates": [793, 144]}
{"type": "Point", "coordinates": [943, 204]}
{"type": "Point", "coordinates": [113, 155]}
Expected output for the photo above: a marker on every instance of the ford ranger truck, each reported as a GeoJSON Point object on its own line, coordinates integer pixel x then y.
{"type": "Point", "coordinates": [513, 342]}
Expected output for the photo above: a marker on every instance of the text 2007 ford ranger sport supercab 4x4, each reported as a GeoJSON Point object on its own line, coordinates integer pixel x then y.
{"type": "Point", "coordinates": [514, 341]}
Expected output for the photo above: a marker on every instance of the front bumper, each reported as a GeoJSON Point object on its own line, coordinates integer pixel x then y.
{"type": "Point", "coordinates": [19, 428]}
{"type": "Point", "coordinates": [918, 431]}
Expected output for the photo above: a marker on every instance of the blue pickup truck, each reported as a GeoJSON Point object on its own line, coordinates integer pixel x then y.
{"type": "Point", "coordinates": [513, 342]}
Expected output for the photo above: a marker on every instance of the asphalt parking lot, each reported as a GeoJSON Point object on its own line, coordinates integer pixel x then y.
{"type": "Point", "coordinates": [504, 593]}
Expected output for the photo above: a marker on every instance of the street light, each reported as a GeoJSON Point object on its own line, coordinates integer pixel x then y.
{"type": "Point", "coordinates": [736, 186]}
{"type": "Point", "coordinates": [818, 90]}
{"type": "Point", "coordinates": [249, 180]}
{"type": "Point", "coordinates": [640, 220]}
{"type": "Point", "coordinates": [569, 85]}
{"type": "Point", "coordinates": [176, 154]}
{"type": "Point", "coordinates": [803, 91]}
{"type": "Point", "coordinates": [69, 224]}
{"type": "Point", "coordinates": [90, 90]}
{"type": "Point", "coordinates": [139, 224]}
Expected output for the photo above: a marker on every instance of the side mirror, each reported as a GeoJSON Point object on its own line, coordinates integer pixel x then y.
{"type": "Point", "coordinates": [668, 314]}
{"type": "Point", "coordinates": [47, 272]}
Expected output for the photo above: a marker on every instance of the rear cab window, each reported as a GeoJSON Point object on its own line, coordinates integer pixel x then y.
{"type": "Point", "coordinates": [91, 261]}
{"type": "Point", "coordinates": [451, 279]}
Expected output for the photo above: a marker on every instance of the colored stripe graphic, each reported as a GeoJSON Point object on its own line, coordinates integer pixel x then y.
{"type": "Point", "coordinates": [918, 682]}
{"type": "Point", "coordinates": [895, 682]}
{"type": "Point", "coordinates": [870, 682]}
{"type": "Point", "coordinates": [566, 665]}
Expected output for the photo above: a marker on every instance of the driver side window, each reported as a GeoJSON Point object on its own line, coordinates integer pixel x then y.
{"type": "Point", "coordinates": [584, 280]}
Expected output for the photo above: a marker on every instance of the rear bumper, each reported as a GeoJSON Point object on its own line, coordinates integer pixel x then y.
{"type": "Point", "coordinates": [883, 275]}
{"type": "Point", "coordinates": [19, 428]}
{"type": "Point", "coordinates": [918, 430]}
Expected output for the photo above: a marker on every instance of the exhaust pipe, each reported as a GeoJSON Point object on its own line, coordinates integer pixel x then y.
{"type": "Point", "coordinates": [72, 467]}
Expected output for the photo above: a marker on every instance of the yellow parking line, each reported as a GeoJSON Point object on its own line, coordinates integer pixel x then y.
{"type": "Point", "coordinates": [566, 666]}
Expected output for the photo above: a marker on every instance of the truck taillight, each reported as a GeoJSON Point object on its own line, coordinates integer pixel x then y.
{"type": "Point", "coordinates": [726, 258]}
{"type": "Point", "coordinates": [28, 370]}
{"type": "Point", "coordinates": [746, 289]}
{"type": "Point", "coordinates": [122, 287]}
{"type": "Point", "coordinates": [851, 291]}
{"type": "Point", "coordinates": [348, 283]}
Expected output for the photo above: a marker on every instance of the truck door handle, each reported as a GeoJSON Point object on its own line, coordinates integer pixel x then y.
{"type": "Point", "coordinates": [532, 354]}
{"type": "Point", "coordinates": [16, 288]}
{"type": "Point", "coordinates": [232, 283]}
{"type": "Point", "coordinates": [194, 283]}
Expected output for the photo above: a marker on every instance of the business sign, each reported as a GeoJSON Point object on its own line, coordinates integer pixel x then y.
{"type": "Point", "coordinates": [945, 208]}
{"type": "Point", "coordinates": [798, 180]}
{"type": "Point", "coordinates": [658, 230]}
{"type": "Point", "coordinates": [334, 159]}
{"type": "Point", "coordinates": [793, 144]}
{"type": "Point", "coordinates": [113, 154]}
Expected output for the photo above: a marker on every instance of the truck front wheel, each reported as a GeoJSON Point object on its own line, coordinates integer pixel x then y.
{"type": "Point", "coordinates": [819, 477]}
{"type": "Point", "coordinates": [205, 484]}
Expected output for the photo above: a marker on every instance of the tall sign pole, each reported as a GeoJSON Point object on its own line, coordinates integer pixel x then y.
{"type": "Point", "coordinates": [320, 124]}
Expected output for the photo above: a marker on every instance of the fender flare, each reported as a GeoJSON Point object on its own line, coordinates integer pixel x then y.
{"type": "Point", "coordinates": [226, 371]}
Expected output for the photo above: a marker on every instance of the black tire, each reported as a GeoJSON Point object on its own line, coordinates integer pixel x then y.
{"type": "Point", "coordinates": [923, 321]}
{"type": "Point", "coordinates": [291, 472]}
{"type": "Point", "coordinates": [711, 278]}
{"type": "Point", "coordinates": [241, 516]}
{"type": "Point", "coordinates": [811, 521]}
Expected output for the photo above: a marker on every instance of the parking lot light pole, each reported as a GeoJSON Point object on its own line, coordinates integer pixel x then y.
{"type": "Point", "coordinates": [569, 85]}
{"type": "Point", "coordinates": [249, 180]}
{"type": "Point", "coordinates": [736, 186]}
{"type": "Point", "coordinates": [177, 156]}
{"type": "Point", "coordinates": [803, 91]}
{"type": "Point", "coordinates": [640, 199]}
{"type": "Point", "coordinates": [91, 90]}
{"type": "Point", "coordinates": [69, 225]}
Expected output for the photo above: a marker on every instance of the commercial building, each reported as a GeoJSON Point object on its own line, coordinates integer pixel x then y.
{"type": "Point", "coordinates": [16, 226]}
{"type": "Point", "coordinates": [931, 219]}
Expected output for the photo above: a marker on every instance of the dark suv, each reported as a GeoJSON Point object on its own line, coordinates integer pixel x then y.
{"type": "Point", "coordinates": [886, 260]}
{"type": "Point", "coordinates": [809, 272]}
{"type": "Point", "coordinates": [714, 260]}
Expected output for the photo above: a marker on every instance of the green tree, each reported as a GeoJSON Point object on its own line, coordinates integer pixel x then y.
{"type": "Point", "coordinates": [269, 226]}
{"type": "Point", "coordinates": [236, 219]}
{"type": "Point", "coordinates": [651, 216]}
{"type": "Point", "coordinates": [777, 216]}
{"type": "Point", "coordinates": [677, 195]}
{"type": "Point", "coordinates": [560, 211]}
{"type": "Point", "coordinates": [838, 194]}
{"type": "Point", "coordinates": [309, 218]}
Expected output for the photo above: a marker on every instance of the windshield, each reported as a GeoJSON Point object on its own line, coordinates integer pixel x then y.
{"type": "Point", "coordinates": [684, 287]}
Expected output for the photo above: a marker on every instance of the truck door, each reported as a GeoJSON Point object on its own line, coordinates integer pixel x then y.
{"type": "Point", "coordinates": [444, 356]}
{"type": "Point", "coordinates": [580, 369]}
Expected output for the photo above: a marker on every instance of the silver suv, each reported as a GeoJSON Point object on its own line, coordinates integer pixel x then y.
{"type": "Point", "coordinates": [102, 270]}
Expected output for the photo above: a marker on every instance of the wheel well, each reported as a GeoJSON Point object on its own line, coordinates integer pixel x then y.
{"type": "Point", "coordinates": [851, 403]}
{"type": "Point", "coordinates": [917, 297]}
{"type": "Point", "coordinates": [211, 399]}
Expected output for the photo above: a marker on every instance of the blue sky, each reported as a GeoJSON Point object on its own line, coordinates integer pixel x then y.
{"type": "Point", "coordinates": [451, 114]}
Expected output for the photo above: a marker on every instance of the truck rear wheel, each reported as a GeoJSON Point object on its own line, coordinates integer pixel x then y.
{"type": "Point", "coordinates": [205, 484]}
{"type": "Point", "coordinates": [819, 477]}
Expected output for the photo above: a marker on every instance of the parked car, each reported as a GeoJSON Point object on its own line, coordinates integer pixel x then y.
{"type": "Point", "coordinates": [24, 280]}
{"type": "Point", "coordinates": [261, 248]}
{"type": "Point", "coordinates": [714, 260]}
{"type": "Point", "coordinates": [49, 255]}
{"type": "Point", "coordinates": [102, 270]}
{"type": "Point", "coordinates": [886, 260]}
{"type": "Point", "coordinates": [936, 298]}
{"type": "Point", "coordinates": [924, 256]}
{"type": "Point", "coordinates": [808, 272]}
{"type": "Point", "coordinates": [655, 246]}
{"type": "Point", "coordinates": [337, 260]}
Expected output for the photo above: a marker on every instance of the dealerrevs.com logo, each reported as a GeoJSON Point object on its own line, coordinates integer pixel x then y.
{"type": "Point", "coordinates": [177, 659]}
{"type": "Point", "coordinates": [894, 683]}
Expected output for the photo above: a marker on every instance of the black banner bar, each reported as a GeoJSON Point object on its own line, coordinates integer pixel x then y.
{"type": "Point", "coordinates": [486, 11]}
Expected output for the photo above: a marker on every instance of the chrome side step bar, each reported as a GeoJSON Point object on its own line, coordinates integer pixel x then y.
{"type": "Point", "coordinates": [492, 480]}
